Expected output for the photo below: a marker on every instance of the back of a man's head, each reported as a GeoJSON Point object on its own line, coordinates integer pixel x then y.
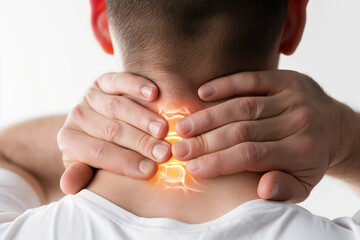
{"type": "Point", "coordinates": [185, 37]}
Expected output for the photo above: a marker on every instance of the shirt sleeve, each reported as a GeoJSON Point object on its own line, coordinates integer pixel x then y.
{"type": "Point", "coordinates": [16, 196]}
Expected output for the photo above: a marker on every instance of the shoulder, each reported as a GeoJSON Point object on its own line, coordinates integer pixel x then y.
{"type": "Point", "coordinates": [291, 221]}
{"type": "Point", "coordinates": [68, 218]}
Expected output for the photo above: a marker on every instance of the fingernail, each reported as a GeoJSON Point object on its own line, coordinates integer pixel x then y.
{"type": "Point", "coordinates": [146, 166]}
{"type": "Point", "coordinates": [154, 127]}
{"type": "Point", "coordinates": [193, 165]}
{"type": "Point", "coordinates": [184, 126]}
{"type": "Point", "coordinates": [159, 151]}
{"type": "Point", "coordinates": [207, 91]}
{"type": "Point", "coordinates": [275, 190]}
{"type": "Point", "coordinates": [147, 91]}
{"type": "Point", "coordinates": [181, 148]}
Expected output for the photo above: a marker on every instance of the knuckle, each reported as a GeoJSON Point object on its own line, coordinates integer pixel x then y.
{"type": "Point", "coordinates": [112, 131]}
{"type": "Point", "coordinates": [102, 77]}
{"type": "Point", "coordinates": [76, 114]}
{"type": "Point", "coordinates": [215, 160]}
{"type": "Point", "coordinates": [110, 106]}
{"type": "Point", "coordinates": [241, 132]}
{"type": "Point", "coordinates": [62, 138]}
{"type": "Point", "coordinates": [98, 151]}
{"type": "Point", "coordinates": [143, 143]}
{"type": "Point", "coordinates": [313, 86]}
{"type": "Point", "coordinates": [306, 147]}
{"type": "Point", "coordinates": [303, 118]}
{"type": "Point", "coordinates": [91, 96]}
{"type": "Point", "coordinates": [299, 100]}
{"type": "Point", "coordinates": [93, 87]}
{"type": "Point", "coordinates": [298, 81]}
{"type": "Point", "coordinates": [249, 107]}
{"type": "Point", "coordinates": [100, 81]}
{"type": "Point", "coordinates": [91, 91]}
{"type": "Point", "coordinates": [250, 153]}
{"type": "Point", "coordinates": [105, 79]}
{"type": "Point", "coordinates": [110, 83]}
{"type": "Point", "coordinates": [253, 80]}
{"type": "Point", "coordinates": [201, 144]}
{"type": "Point", "coordinates": [142, 119]}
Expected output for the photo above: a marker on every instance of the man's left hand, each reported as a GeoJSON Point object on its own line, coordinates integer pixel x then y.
{"type": "Point", "coordinates": [281, 123]}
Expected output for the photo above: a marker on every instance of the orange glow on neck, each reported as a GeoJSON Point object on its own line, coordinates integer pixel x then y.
{"type": "Point", "coordinates": [173, 173]}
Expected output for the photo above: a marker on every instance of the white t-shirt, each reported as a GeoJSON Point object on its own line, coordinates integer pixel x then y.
{"type": "Point", "coordinates": [88, 216]}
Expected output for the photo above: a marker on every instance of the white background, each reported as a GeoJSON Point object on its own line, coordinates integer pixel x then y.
{"type": "Point", "coordinates": [48, 58]}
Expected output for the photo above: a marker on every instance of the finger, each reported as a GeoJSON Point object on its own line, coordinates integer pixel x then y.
{"type": "Point", "coordinates": [249, 156]}
{"type": "Point", "coordinates": [281, 186]}
{"type": "Point", "coordinates": [238, 109]}
{"type": "Point", "coordinates": [76, 177]}
{"type": "Point", "coordinates": [129, 84]}
{"type": "Point", "coordinates": [247, 83]}
{"type": "Point", "coordinates": [269, 129]}
{"type": "Point", "coordinates": [119, 107]}
{"type": "Point", "coordinates": [120, 133]}
{"type": "Point", "coordinates": [105, 155]}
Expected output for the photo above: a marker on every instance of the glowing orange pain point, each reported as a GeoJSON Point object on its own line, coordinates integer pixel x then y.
{"type": "Point", "coordinates": [173, 173]}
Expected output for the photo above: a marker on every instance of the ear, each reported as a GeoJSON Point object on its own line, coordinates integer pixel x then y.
{"type": "Point", "coordinates": [100, 25]}
{"type": "Point", "coordinates": [294, 26]}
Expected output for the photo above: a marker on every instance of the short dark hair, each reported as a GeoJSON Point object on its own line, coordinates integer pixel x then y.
{"type": "Point", "coordinates": [177, 34]}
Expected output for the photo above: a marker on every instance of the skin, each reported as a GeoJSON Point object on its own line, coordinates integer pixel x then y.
{"type": "Point", "coordinates": [113, 136]}
{"type": "Point", "coordinates": [304, 110]}
{"type": "Point", "coordinates": [343, 162]}
{"type": "Point", "coordinates": [211, 160]}
{"type": "Point", "coordinates": [266, 132]}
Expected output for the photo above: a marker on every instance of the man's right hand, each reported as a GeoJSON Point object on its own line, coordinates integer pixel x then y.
{"type": "Point", "coordinates": [110, 131]}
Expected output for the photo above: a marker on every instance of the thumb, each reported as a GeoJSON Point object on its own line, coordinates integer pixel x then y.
{"type": "Point", "coordinates": [76, 177]}
{"type": "Point", "coordinates": [280, 186]}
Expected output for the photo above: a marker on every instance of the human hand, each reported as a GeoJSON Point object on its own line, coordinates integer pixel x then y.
{"type": "Point", "coordinates": [282, 124]}
{"type": "Point", "coordinates": [110, 131]}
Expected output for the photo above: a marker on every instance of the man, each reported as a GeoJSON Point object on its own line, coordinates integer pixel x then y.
{"type": "Point", "coordinates": [89, 215]}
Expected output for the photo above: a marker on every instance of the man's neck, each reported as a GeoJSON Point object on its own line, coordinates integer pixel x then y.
{"type": "Point", "coordinates": [199, 200]}
{"type": "Point", "coordinates": [218, 196]}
